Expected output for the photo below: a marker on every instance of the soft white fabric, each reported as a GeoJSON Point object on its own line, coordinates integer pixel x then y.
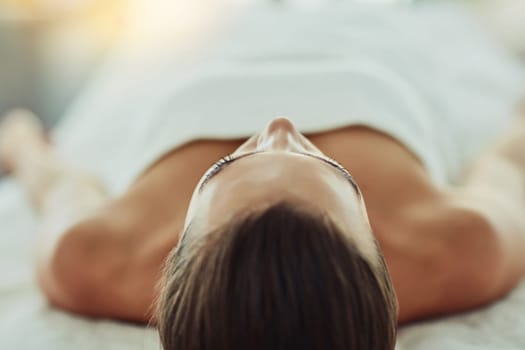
{"type": "Point", "coordinates": [426, 77]}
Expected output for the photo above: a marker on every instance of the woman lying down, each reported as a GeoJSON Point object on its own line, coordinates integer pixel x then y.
{"type": "Point", "coordinates": [273, 247]}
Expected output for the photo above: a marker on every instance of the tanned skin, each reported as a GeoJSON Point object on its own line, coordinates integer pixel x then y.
{"type": "Point", "coordinates": [448, 249]}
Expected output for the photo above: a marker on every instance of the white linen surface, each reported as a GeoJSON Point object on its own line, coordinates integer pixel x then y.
{"type": "Point", "coordinates": [27, 322]}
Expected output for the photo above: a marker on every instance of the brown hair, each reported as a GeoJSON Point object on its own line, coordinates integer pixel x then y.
{"type": "Point", "coordinates": [281, 278]}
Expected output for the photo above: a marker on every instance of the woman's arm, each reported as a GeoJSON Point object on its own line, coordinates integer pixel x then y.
{"type": "Point", "coordinates": [86, 261]}
{"type": "Point", "coordinates": [102, 256]}
{"type": "Point", "coordinates": [448, 249]}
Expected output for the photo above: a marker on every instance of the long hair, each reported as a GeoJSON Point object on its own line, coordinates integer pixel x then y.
{"type": "Point", "coordinates": [278, 279]}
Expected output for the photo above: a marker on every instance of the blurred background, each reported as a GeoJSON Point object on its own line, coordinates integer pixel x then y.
{"type": "Point", "coordinates": [50, 48]}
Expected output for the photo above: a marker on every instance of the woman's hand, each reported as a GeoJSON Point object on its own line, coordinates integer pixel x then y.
{"type": "Point", "coordinates": [21, 135]}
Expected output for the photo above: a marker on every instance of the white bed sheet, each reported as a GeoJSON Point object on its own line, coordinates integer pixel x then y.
{"type": "Point", "coordinates": [27, 322]}
{"type": "Point", "coordinates": [26, 319]}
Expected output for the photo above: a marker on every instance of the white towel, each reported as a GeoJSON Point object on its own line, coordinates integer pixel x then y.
{"type": "Point", "coordinates": [427, 76]}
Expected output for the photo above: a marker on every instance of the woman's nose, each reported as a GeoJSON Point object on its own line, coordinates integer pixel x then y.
{"type": "Point", "coordinates": [279, 134]}
{"type": "Point", "coordinates": [280, 124]}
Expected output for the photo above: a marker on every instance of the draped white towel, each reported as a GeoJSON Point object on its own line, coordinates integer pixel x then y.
{"type": "Point", "coordinates": [426, 76]}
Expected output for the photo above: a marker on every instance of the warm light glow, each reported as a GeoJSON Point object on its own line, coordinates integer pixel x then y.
{"type": "Point", "coordinates": [92, 22]}
{"type": "Point", "coordinates": [158, 24]}
{"type": "Point", "coordinates": [142, 24]}
{"type": "Point", "coordinates": [44, 8]}
{"type": "Point", "coordinates": [59, 10]}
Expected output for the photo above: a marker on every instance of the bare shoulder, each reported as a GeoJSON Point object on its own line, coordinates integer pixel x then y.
{"type": "Point", "coordinates": [388, 173]}
{"type": "Point", "coordinates": [109, 264]}
{"type": "Point", "coordinates": [441, 251]}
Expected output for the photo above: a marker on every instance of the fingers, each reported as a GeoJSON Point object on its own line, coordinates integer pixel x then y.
{"type": "Point", "coordinates": [18, 115]}
{"type": "Point", "coordinates": [21, 132]}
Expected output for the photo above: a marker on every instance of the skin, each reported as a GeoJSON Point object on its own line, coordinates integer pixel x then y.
{"type": "Point", "coordinates": [280, 164]}
{"type": "Point", "coordinates": [448, 249]}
